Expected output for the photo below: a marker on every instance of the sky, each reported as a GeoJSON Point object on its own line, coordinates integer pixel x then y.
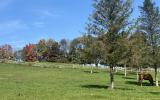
{"type": "Point", "coordinates": [28, 21]}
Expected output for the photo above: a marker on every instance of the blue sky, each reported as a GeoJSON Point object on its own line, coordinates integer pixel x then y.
{"type": "Point", "coordinates": [27, 21]}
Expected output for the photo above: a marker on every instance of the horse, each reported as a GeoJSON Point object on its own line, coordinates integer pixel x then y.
{"type": "Point", "coordinates": [144, 76]}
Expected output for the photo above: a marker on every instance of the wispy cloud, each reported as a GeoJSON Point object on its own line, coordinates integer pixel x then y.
{"type": "Point", "coordinates": [46, 13]}
{"type": "Point", "coordinates": [17, 42]}
{"type": "Point", "coordinates": [39, 24]}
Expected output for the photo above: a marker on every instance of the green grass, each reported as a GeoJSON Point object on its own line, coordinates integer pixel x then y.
{"type": "Point", "coordinates": [23, 82]}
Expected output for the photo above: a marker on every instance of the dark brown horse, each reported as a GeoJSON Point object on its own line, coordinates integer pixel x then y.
{"type": "Point", "coordinates": [144, 76]}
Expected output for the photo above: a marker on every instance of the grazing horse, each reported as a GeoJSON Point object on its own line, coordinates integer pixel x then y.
{"type": "Point", "coordinates": [143, 76]}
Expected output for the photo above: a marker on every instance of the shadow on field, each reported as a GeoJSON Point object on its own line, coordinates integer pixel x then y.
{"type": "Point", "coordinates": [129, 78]}
{"type": "Point", "coordinates": [129, 89]}
{"type": "Point", "coordinates": [132, 82]}
{"type": "Point", "coordinates": [132, 73]}
{"type": "Point", "coordinates": [137, 83]}
{"type": "Point", "coordinates": [95, 86]}
{"type": "Point", "coordinates": [119, 74]}
{"type": "Point", "coordinates": [147, 84]}
{"type": "Point", "coordinates": [90, 72]}
{"type": "Point", "coordinates": [155, 93]}
{"type": "Point", "coordinates": [105, 87]}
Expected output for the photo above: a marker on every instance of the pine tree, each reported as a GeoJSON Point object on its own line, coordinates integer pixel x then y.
{"type": "Point", "coordinates": [125, 49]}
{"type": "Point", "coordinates": [109, 19]}
{"type": "Point", "coordinates": [149, 24]}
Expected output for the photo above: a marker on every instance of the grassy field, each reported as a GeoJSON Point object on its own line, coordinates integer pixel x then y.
{"type": "Point", "coordinates": [23, 82]}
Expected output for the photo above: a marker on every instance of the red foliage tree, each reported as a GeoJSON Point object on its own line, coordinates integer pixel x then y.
{"type": "Point", "coordinates": [30, 53]}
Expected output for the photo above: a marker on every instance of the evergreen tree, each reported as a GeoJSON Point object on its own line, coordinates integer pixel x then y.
{"type": "Point", "coordinates": [125, 49]}
{"type": "Point", "coordinates": [149, 24]}
{"type": "Point", "coordinates": [109, 19]}
{"type": "Point", "coordinates": [139, 51]}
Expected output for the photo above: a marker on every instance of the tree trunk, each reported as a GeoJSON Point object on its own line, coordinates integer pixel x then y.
{"type": "Point", "coordinates": [96, 64]}
{"type": "Point", "coordinates": [91, 69]}
{"type": "Point", "coordinates": [112, 77]}
{"type": "Point", "coordinates": [125, 70]}
{"type": "Point", "coordinates": [138, 75]}
{"type": "Point", "coordinates": [156, 78]}
{"type": "Point", "coordinates": [141, 76]}
{"type": "Point", "coordinates": [116, 69]}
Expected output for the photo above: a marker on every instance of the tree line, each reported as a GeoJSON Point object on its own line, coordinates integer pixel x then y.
{"type": "Point", "coordinates": [133, 43]}
{"type": "Point", "coordinates": [112, 38]}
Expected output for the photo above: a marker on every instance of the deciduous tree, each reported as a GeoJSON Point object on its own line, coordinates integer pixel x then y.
{"type": "Point", "coordinates": [30, 53]}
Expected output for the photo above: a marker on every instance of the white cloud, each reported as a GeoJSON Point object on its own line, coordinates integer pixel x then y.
{"type": "Point", "coordinates": [45, 14]}
{"type": "Point", "coordinates": [17, 42]}
{"type": "Point", "coordinates": [39, 24]}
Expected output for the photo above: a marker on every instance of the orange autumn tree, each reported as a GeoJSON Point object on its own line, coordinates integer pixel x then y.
{"type": "Point", "coordinates": [29, 53]}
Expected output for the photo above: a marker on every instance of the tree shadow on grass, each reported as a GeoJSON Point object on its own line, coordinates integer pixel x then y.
{"type": "Point", "coordinates": [155, 93]}
{"type": "Point", "coordinates": [132, 83]}
{"type": "Point", "coordinates": [104, 87]}
{"type": "Point", "coordinates": [129, 78]}
{"type": "Point", "coordinates": [138, 83]}
{"type": "Point", "coordinates": [132, 73]}
{"type": "Point", "coordinates": [147, 84]}
{"type": "Point", "coordinates": [95, 86]}
{"type": "Point", "coordinates": [90, 72]}
{"type": "Point", "coordinates": [121, 88]}
{"type": "Point", "coordinates": [120, 74]}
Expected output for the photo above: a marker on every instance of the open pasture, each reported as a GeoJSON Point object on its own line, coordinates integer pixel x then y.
{"type": "Point", "coordinates": [24, 82]}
